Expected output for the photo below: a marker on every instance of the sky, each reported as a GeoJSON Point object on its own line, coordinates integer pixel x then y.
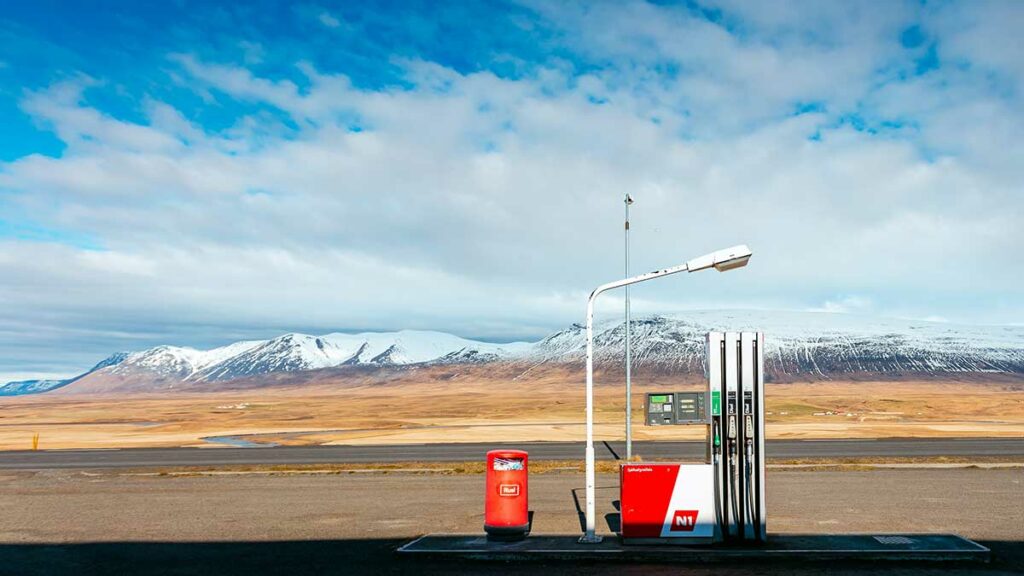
{"type": "Point", "coordinates": [196, 173]}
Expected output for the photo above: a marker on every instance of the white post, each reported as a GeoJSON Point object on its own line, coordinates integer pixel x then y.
{"type": "Point", "coordinates": [590, 535]}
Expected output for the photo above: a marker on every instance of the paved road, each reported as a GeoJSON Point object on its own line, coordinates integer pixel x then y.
{"type": "Point", "coordinates": [143, 457]}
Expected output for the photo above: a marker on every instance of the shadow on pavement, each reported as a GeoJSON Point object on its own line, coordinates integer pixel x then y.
{"type": "Point", "coordinates": [376, 556]}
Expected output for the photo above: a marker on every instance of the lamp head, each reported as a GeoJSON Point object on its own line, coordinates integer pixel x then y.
{"type": "Point", "coordinates": [732, 264]}
{"type": "Point", "coordinates": [629, 199]}
{"type": "Point", "coordinates": [722, 260]}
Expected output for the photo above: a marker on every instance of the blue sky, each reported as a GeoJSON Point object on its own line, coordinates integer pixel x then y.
{"type": "Point", "coordinates": [195, 173]}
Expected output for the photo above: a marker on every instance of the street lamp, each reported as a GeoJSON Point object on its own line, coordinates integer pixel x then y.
{"type": "Point", "coordinates": [721, 260]}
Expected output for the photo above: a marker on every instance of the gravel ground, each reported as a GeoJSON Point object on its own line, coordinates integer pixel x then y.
{"type": "Point", "coordinates": [108, 522]}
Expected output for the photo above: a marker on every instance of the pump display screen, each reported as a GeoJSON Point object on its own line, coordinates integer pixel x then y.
{"type": "Point", "coordinates": [660, 410]}
{"type": "Point", "coordinates": [676, 408]}
{"type": "Point", "coordinates": [690, 407]}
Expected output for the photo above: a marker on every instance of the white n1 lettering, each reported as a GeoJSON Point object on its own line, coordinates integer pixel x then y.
{"type": "Point", "coordinates": [684, 521]}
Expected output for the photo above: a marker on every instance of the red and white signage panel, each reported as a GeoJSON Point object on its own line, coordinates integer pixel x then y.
{"type": "Point", "coordinates": [667, 501]}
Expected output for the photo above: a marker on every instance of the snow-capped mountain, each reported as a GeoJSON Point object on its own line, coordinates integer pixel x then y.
{"type": "Point", "coordinates": [298, 352]}
{"type": "Point", "coordinates": [815, 344]}
{"type": "Point", "coordinates": [37, 386]}
{"type": "Point", "coordinates": [19, 387]}
{"type": "Point", "coordinates": [805, 345]}
{"type": "Point", "coordinates": [179, 362]}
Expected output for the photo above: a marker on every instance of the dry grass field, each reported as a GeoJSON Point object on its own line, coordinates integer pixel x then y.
{"type": "Point", "coordinates": [431, 409]}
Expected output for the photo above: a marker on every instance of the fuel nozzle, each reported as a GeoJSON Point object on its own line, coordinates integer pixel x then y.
{"type": "Point", "coordinates": [730, 433]}
{"type": "Point", "coordinates": [716, 440]}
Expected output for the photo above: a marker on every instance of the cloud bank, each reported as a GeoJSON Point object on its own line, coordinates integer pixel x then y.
{"type": "Point", "coordinates": [870, 157]}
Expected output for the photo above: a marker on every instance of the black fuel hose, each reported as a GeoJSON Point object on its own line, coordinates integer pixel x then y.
{"type": "Point", "coordinates": [718, 511]}
{"type": "Point", "coordinates": [717, 452]}
{"type": "Point", "coordinates": [733, 473]}
{"type": "Point", "coordinates": [750, 487]}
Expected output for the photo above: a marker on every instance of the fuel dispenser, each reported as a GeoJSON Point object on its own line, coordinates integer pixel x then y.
{"type": "Point", "coordinates": [721, 499]}
{"type": "Point", "coordinates": [734, 372]}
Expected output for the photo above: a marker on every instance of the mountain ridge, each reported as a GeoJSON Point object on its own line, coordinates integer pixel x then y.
{"type": "Point", "coordinates": [812, 345]}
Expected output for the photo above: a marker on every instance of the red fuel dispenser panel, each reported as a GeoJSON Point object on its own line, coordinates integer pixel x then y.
{"type": "Point", "coordinates": [667, 502]}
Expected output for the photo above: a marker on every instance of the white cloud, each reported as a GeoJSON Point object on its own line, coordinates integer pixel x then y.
{"type": "Point", "coordinates": [327, 19]}
{"type": "Point", "coordinates": [729, 81]}
{"type": "Point", "coordinates": [491, 206]}
{"type": "Point", "coordinates": [60, 107]}
{"type": "Point", "coordinates": [253, 52]}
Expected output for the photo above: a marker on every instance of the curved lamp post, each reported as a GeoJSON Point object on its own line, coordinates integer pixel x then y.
{"type": "Point", "coordinates": [722, 260]}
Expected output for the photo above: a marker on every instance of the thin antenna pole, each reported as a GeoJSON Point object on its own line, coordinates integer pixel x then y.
{"type": "Point", "coordinates": [629, 367]}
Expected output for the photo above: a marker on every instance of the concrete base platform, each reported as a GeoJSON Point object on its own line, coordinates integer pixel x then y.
{"type": "Point", "coordinates": [799, 547]}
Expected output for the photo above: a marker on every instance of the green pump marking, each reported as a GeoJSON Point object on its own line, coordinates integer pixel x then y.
{"type": "Point", "coordinates": [716, 403]}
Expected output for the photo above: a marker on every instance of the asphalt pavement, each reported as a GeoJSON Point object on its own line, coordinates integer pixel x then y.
{"type": "Point", "coordinates": [102, 522]}
{"type": "Point", "coordinates": [278, 455]}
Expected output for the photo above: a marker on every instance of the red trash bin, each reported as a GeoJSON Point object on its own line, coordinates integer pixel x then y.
{"type": "Point", "coordinates": [506, 504]}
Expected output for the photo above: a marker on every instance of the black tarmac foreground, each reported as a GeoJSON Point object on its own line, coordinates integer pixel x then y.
{"type": "Point", "coordinates": [783, 547]}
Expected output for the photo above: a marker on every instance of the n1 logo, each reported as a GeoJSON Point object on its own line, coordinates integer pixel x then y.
{"type": "Point", "coordinates": [508, 490]}
{"type": "Point", "coordinates": [683, 521]}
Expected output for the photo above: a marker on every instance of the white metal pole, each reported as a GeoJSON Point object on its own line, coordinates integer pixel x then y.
{"type": "Point", "coordinates": [590, 535]}
{"type": "Point", "coordinates": [629, 387]}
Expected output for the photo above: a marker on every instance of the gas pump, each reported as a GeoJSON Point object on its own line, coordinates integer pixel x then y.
{"type": "Point", "coordinates": [734, 372]}
{"type": "Point", "coordinates": [721, 499]}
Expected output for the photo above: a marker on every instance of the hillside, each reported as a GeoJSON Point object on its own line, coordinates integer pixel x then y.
{"type": "Point", "coordinates": [799, 346]}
